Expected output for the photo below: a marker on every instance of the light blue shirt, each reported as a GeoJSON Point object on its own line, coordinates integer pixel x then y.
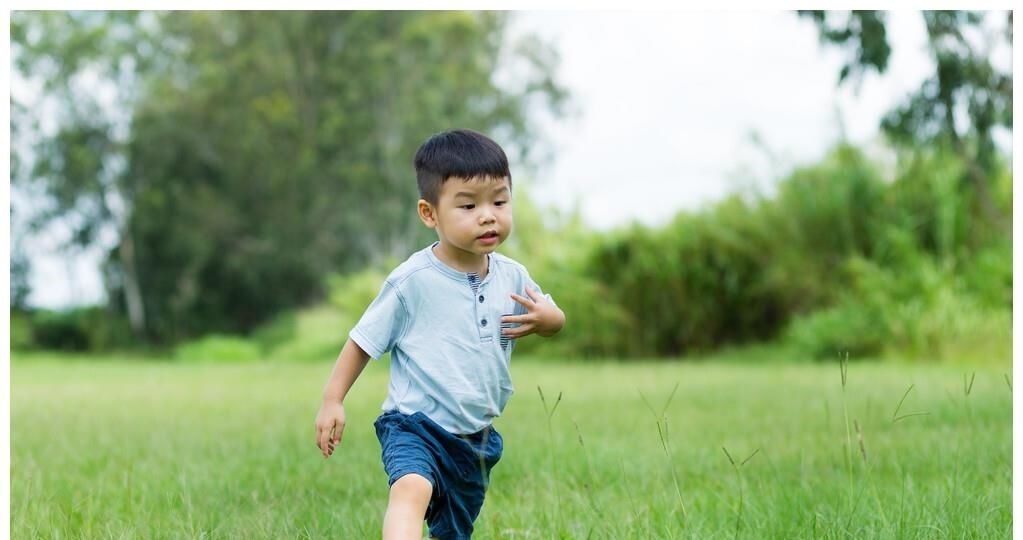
{"type": "Point", "coordinates": [443, 329]}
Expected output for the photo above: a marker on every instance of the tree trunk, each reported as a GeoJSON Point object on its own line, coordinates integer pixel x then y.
{"type": "Point", "coordinates": [976, 174]}
{"type": "Point", "coordinates": [132, 292]}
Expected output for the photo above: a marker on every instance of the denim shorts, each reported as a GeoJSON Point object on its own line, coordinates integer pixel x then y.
{"type": "Point", "coordinates": [458, 467]}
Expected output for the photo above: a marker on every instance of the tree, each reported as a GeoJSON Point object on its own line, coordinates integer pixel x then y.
{"type": "Point", "coordinates": [965, 84]}
{"type": "Point", "coordinates": [80, 164]}
{"type": "Point", "coordinates": [268, 149]}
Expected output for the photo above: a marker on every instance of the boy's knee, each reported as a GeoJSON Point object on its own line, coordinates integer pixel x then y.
{"type": "Point", "coordinates": [412, 487]}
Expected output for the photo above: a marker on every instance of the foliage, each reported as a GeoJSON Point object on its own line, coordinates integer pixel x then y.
{"type": "Point", "coordinates": [839, 259]}
{"type": "Point", "coordinates": [736, 272]}
{"type": "Point", "coordinates": [218, 348]}
{"type": "Point", "coordinates": [317, 335]}
{"type": "Point", "coordinates": [822, 215]}
{"type": "Point", "coordinates": [923, 291]}
{"type": "Point", "coordinates": [918, 310]}
{"type": "Point", "coordinates": [317, 332]}
{"type": "Point", "coordinates": [21, 331]}
{"type": "Point", "coordinates": [987, 275]}
{"type": "Point", "coordinates": [82, 329]}
{"type": "Point", "coordinates": [251, 153]}
{"type": "Point", "coordinates": [966, 88]}
{"type": "Point", "coordinates": [864, 31]}
{"type": "Point", "coordinates": [353, 293]}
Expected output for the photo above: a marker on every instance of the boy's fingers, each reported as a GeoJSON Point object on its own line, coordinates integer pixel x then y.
{"type": "Point", "coordinates": [536, 296]}
{"type": "Point", "coordinates": [323, 437]}
{"type": "Point", "coordinates": [515, 318]}
{"type": "Point", "coordinates": [523, 330]}
{"type": "Point", "coordinates": [339, 428]}
{"type": "Point", "coordinates": [522, 300]}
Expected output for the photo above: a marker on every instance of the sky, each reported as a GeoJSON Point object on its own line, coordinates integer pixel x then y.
{"type": "Point", "coordinates": [667, 107]}
{"type": "Point", "coordinates": [670, 103]}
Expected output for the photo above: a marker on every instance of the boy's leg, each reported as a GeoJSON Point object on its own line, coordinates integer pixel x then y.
{"type": "Point", "coordinates": [406, 508]}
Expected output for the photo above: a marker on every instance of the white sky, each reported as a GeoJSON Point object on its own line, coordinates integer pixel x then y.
{"type": "Point", "coordinates": [667, 102]}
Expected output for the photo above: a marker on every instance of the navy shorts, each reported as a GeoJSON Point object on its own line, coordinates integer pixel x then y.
{"type": "Point", "coordinates": [458, 466]}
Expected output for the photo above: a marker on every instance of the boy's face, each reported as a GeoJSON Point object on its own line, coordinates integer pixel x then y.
{"type": "Point", "coordinates": [472, 216]}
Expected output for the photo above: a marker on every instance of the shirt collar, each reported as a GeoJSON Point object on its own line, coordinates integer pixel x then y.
{"type": "Point", "coordinates": [457, 275]}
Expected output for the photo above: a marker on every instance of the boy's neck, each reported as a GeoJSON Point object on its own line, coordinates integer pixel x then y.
{"type": "Point", "coordinates": [468, 263]}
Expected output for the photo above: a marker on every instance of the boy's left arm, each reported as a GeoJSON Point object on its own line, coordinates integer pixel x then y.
{"type": "Point", "coordinates": [542, 317]}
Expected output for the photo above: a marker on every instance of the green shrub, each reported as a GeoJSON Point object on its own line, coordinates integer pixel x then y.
{"type": "Point", "coordinates": [218, 348]}
{"type": "Point", "coordinates": [820, 216]}
{"type": "Point", "coordinates": [919, 309]}
{"type": "Point", "coordinates": [839, 259]}
{"type": "Point", "coordinates": [81, 329]}
{"type": "Point", "coordinates": [692, 286]}
{"type": "Point", "coordinates": [353, 293]}
{"type": "Point", "coordinates": [21, 331]}
{"type": "Point", "coordinates": [278, 331]}
{"type": "Point", "coordinates": [830, 332]}
{"type": "Point", "coordinates": [316, 335]}
{"type": "Point", "coordinates": [987, 274]}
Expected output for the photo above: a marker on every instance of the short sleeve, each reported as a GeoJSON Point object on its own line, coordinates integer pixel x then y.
{"type": "Point", "coordinates": [383, 323]}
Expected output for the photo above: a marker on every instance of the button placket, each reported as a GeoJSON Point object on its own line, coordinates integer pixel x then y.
{"type": "Point", "coordinates": [481, 308]}
{"type": "Point", "coordinates": [483, 315]}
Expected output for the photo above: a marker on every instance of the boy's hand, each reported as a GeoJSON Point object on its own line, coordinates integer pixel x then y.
{"type": "Point", "coordinates": [541, 317]}
{"type": "Point", "coordinates": [330, 424]}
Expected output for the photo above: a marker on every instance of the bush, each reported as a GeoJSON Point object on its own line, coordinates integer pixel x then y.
{"type": "Point", "coordinates": [828, 333]}
{"type": "Point", "coordinates": [218, 348]}
{"type": "Point", "coordinates": [279, 330]}
{"type": "Point", "coordinates": [21, 331]}
{"type": "Point", "coordinates": [353, 293]}
{"type": "Point", "coordinates": [918, 309]}
{"type": "Point", "coordinates": [80, 329]}
{"type": "Point", "coordinates": [316, 335]}
{"type": "Point", "coordinates": [839, 260]}
{"type": "Point", "coordinates": [987, 274]}
{"type": "Point", "coordinates": [695, 285]}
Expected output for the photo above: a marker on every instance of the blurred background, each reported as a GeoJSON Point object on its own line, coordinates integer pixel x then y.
{"type": "Point", "coordinates": [235, 186]}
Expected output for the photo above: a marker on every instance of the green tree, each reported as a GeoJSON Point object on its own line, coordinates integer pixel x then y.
{"type": "Point", "coordinates": [263, 150]}
{"type": "Point", "coordinates": [78, 165]}
{"type": "Point", "coordinates": [965, 86]}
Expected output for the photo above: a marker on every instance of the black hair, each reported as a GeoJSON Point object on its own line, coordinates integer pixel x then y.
{"type": "Point", "coordinates": [459, 152]}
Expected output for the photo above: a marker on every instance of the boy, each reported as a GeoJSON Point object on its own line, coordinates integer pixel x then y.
{"type": "Point", "coordinates": [446, 315]}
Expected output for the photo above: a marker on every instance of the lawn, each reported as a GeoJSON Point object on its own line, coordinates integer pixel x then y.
{"type": "Point", "coordinates": [143, 449]}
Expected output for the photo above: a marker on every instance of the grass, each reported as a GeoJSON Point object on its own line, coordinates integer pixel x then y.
{"type": "Point", "coordinates": [132, 449]}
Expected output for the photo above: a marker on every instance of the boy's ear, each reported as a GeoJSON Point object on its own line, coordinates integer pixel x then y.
{"type": "Point", "coordinates": [427, 213]}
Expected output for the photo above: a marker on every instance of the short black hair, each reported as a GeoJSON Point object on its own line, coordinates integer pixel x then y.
{"type": "Point", "coordinates": [459, 152]}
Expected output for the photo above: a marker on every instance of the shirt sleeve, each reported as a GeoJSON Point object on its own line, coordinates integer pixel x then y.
{"type": "Point", "coordinates": [383, 323]}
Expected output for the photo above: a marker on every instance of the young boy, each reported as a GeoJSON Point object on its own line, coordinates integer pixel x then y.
{"type": "Point", "coordinates": [446, 315]}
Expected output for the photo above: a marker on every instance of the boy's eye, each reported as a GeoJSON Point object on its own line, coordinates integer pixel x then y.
{"type": "Point", "coordinates": [468, 206]}
{"type": "Point", "coordinates": [501, 203]}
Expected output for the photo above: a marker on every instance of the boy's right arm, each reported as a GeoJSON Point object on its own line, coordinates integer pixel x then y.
{"type": "Point", "coordinates": [330, 421]}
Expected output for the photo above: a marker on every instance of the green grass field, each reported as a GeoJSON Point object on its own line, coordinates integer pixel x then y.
{"type": "Point", "coordinates": [134, 449]}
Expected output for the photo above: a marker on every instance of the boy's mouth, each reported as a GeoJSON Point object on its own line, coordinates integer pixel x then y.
{"type": "Point", "coordinates": [488, 238]}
